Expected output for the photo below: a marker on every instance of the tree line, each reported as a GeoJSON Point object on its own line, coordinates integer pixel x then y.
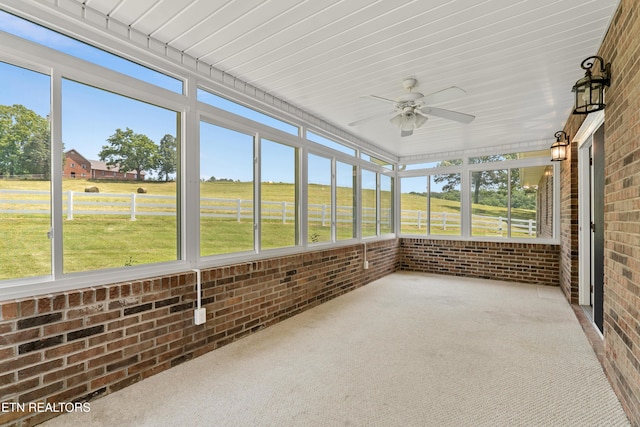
{"type": "Point", "coordinates": [25, 147]}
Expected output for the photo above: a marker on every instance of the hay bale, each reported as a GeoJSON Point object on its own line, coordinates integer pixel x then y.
{"type": "Point", "coordinates": [142, 190]}
{"type": "Point", "coordinates": [92, 189]}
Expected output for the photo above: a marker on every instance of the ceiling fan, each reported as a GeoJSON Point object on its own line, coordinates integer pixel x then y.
{"type": "Point", "coordinates": [412, 108]}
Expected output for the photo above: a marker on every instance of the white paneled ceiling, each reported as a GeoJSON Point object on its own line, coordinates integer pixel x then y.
{"type": "Point", "coordinates": [516, 59]}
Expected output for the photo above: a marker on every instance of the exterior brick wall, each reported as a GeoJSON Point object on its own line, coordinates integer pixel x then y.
{"type": "Point", "coordinates": [621, 47]}
{"type": "Point", "coordinates": [77, 345]}
{"type": "Point", "coordinates": [518, 262]}
{"type": "Point", "coordinates": [569, 254]}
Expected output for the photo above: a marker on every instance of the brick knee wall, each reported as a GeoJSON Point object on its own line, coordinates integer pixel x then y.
{"type": "Point", "coordinates": [518, 262]}
{"type": "Point", "coordinates": [77, 345]}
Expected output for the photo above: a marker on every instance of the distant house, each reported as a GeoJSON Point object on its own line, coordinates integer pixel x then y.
{"type": "Point", "coordinates": [78, 166]}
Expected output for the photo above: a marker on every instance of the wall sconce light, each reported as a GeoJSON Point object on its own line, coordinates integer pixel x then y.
{"type": "Point", "coordinates": [559, 148]}
{"type": "Point", "coordinates": [590, 89]}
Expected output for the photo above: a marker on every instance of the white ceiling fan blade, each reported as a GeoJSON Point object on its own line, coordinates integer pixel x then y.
{"type": "Point", "coordinates": [404, 133]}
{"type": "Point", "coordinates": [367, 119]}
{"type": "Point", "coordinates": [448, 114]}
{"type": "Point", "coordinates": [380, 98]}
{"type": "Point", "coordinates": [444, 95]}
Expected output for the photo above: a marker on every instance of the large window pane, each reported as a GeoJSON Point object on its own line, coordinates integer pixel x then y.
{"type": "Point", "coordinates": [241, 110]}
{"type": "Point", "coordinates": [279, 205]}
{"type": "Point", "coordinates": [25, 173]}
{"type": "Point", "coordinates": [444, 204]}
{"type": "Point", "coordinates": [386, 204]}
{"type": "Point", "coordinates": [329, 143]}
{"type": "Point", "coordinates": [525, 212]}
{"type": "Point", "coordinates": [431, 204]}
{"type": "Point", "coordinates": [369, 211]}
{"type": "Point", "coordinates": [70, 46]}
{"type": "Point", "coordinates": [226, 191]}
{"type": "Point", "coordinates": [345, 201]}
{"type": "Point", "coordinates": [489, 202]}
{"type": "Point", "coordinates": [319, 199]}
{"type": "Point", "coordinates": [413, 204]}
{"type": "Point", "coordinates": [120, 198]}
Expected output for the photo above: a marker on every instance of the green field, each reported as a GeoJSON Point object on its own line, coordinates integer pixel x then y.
{"type": "Point", "coordinates": [97, 241]}
{"type": "Point", "coordinates": [415, 202]}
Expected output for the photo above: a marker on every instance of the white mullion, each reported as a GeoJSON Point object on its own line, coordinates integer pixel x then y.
{"type": "Point", "coordinates": [303, 202]}
{"type": "Point", "coordinates": [357, 218]}
{"type": "Point", "coordinates": [190, 178]}
{"type": "Point", "coordinates": [509, 203]}
{"type": "Point", "coordinates": [57, 149]}
{"type": "Point", "coordinates": [378, 203]}
{"type": "Point", "coordinates": [334, 201]}
{"type": "Point", "coordinates": [257, 193]}
{"type": "Point", "coordinates": [465, 200]}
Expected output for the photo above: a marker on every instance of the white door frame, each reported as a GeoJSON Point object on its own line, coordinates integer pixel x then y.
{"type": "Point", "coordinates": [584, 138]}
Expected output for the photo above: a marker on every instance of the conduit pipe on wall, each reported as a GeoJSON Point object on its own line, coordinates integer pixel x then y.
{"type": "Point", "coordinates": [365, 265]}
{"type": "Point", "coordinates": [200, 314]}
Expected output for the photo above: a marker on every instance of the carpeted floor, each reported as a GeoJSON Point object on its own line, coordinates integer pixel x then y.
{"type": "Point", "coordinates": [410, 349]}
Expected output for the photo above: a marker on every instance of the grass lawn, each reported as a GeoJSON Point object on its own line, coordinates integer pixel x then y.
{"type": "Point", "coordinates": [99, 241]}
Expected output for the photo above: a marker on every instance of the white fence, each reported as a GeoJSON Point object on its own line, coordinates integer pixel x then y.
{"type": "Point", "coordinates": [134, 205]}
{"type": "Point", "coordinates": [448, 220]}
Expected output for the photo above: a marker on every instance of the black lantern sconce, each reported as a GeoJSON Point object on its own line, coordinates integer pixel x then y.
{"type": "Point", "coordinates": [559, 148]}
{"type": "Point", "coordinates": [590, 89]}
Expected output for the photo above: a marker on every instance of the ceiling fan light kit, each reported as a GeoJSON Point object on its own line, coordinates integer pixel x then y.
{"type": "Point", "coordinates": [411, 108]}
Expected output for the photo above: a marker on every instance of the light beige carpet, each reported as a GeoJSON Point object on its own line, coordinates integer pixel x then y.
{"type": "Point", "coordinates": [410, 349]}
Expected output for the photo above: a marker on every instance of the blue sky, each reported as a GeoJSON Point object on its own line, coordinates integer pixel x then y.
{"type": "Point", "coordinates": [91, 115]}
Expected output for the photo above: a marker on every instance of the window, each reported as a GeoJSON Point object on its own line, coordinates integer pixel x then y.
{"type": "Point", "coordinates": [444, 204]}
{"type": "Point", "coordinates": [226, 191]}
{"type": "Point", "coordinates": [319, 207]}
{"type": "Point", "coordinates": [430, 165]}
{"type": "Point", "coordinates": [386, 204]}
{"type": "Point", "coordinates": [345, 201]}
{"type": "Point", "coordinates": [377, 161]}
{"type": "Point", "coordinates": [414, 204]}
{"type": "Point", "coordinates": [278, 190]}
{"type": "Point", "coordinates": [431, 204]}
{"type": "Point", "coordinates": [25, 173]}
{"type": "Point", "coordinates": [527, 216]}
{"type": "Point", "coordinates": [505, 202]}
{"type": "Point", "coordinates": [70, 46]}
{"type": "Point", "coordinates": [329, 143]}
{"type": "Point", "coordinates": [489, 202]}
{"type": "Point", "coordinates": [369, 209]}
{"type": "Point", "coordinates": [510, 156]}
{"type": "Point", "coordinates": [241, 110]}
{"type": "Point", "coordinates": [108, 223]}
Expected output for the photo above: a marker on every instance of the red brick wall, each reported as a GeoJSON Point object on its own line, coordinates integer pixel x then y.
{"type": "Point", "coordinates": [621, 47]}
{"type": "Point", "coordinates": [518, 262]}
{"type": "Point", "coordinates": [81, 344]}
{"type": "Point", "coordinates": [569, 214]}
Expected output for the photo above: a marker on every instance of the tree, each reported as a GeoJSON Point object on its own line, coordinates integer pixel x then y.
{"type": "Point", "coordinates": [167, 157]}
{"type": "Point", "coordinates": [130, 151]}
{"type": "Point", "coordinates": [25, 142]}
{"type": "Point", "coordinates": [485, 179]}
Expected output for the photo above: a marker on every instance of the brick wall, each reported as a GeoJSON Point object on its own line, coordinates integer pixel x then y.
{"type": "Point", "coordinates": [621, 47]}
{"type": "Point", "coordinates": [518, 262]}
{"type": "Point", "coordinates": [569, 254]}
{"type": "Point", "coordinates": [77, 345]}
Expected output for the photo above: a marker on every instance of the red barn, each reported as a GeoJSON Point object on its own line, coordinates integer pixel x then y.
{"type": "Point", "coordinates": [78, 166]}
